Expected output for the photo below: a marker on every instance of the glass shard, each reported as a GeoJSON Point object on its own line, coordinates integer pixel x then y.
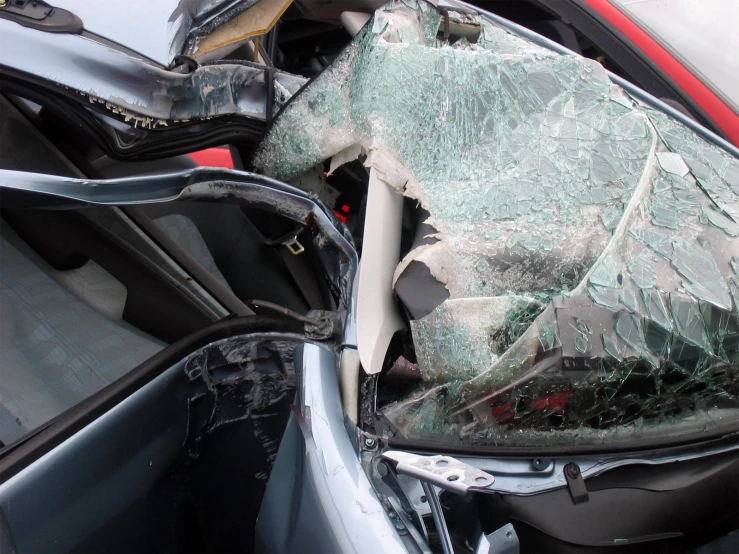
{"type": "Point", "coordinates": [545, 181]}
{"type": "Point", "coordinates": [643, 271]}
{"type": "Point", "coordinates": [608, 298]}
{"type": "Point", "coordinates": [673, 162]}
{"type": "Point", "coordinates": [688, 321]}
{"type": "Point", "coordinates": [610, 345]}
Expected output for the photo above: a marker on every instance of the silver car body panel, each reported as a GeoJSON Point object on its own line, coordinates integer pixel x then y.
{"type": "Point", "coordinates": [142, 93]}
{"type": "Point", "coordinates": [46, 517]}
{"type": "Point", "coordinates": [318, 498]}
{"type": "Point", "coordinates": [41, 510]}
{"type": "Point", "coordinates": [156, 30]}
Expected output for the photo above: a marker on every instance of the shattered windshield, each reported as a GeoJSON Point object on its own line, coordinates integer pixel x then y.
{"type": "Point", "coordinates": [587, 243]}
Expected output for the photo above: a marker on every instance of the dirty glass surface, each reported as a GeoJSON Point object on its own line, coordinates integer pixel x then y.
{"type": "Point", "coordinates": [588, 242]}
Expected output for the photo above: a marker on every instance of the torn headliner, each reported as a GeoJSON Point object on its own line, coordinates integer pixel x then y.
{"type": "Point", "coordinates": [545, 181]}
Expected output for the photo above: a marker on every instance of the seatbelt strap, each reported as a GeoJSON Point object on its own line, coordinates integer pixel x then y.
{"type": "Point", "coordinates": [302, 273]}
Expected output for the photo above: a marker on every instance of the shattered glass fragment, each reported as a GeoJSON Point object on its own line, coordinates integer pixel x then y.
{"type": "Point", "coordinates": [548, 335]}
{"type": "Point", "coordinates": [692, 261]}
{"type": "Point", "coordinates": [461, 337]}
{"type": "Point", "coordinates": [657, 338]}
{"type": "Point", "coordinates": [658, 241]}
{"type": "Point", "coordinates": [704, 281]}
{"type": "Point", "coordinates": [581, 326]}
{"type": "Point", "coordinates": [472, 162]}
{"type": "Point", "coordinates": [667, 211]}
{"type": "Point", "coordinates": [545, 181]}
{"type": "Point", "coordinates": [606, 297]}
{"type": "Point", "coordinates": [689, 321]}
{"type": "Point", "coordinates": [630, 300]}
{"type": "Point", "coordinates": [656, 308]}
{"type": "Point", "coordinates": [629, 329]}
{"type": "Point", "coordinates": [643, 271]}
{"type": "Point", "coordinates": [723, 332]}
{"type": "Point", "coordinates": [734, 290]}
{"type": "Point", "coordinates": [673, 162]}
{"type": "Point", "coordinates": [581, 344]}
{"type": "Point", "coordinates": [611, 215]}
{"type": "Point", "coordinates": [607, 273]}
{"type": "Point", "coordinates": [610, 345]}
{"type": "Point", "coordinates": [735, 265]}
{"type": "Point", "coordinates": [721, 221]}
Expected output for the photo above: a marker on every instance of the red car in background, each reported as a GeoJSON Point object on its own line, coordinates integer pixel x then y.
{"type": "Point", "coordinates": [692, 43]}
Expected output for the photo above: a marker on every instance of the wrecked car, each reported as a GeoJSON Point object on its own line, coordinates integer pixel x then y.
{"type": "Point", "coordinates": [466, 291]}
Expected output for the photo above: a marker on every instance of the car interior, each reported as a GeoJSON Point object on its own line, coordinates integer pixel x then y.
{"type": "Point", "coordinates": [100, 307]}
{"type": "Point", "coordinates": [106, 299]}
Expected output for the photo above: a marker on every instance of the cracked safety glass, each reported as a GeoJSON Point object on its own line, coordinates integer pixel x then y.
{"type": "Point", "coordinates": [588, 242]}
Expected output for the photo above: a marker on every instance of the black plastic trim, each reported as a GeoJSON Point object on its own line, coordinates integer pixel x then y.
{"type": "Point", "coordinates": [725, 435]}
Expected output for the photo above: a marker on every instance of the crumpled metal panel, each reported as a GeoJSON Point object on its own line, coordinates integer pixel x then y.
{"type": "Point", "coordinates": [140, 92]}
{"type": "Point", "coordinates": [545, 181]}
{"type": "Point", "coordinates": [157, 30]}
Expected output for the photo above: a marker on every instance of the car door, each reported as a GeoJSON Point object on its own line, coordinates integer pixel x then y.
{"type": "Point", "coordinates": [152, 342]}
